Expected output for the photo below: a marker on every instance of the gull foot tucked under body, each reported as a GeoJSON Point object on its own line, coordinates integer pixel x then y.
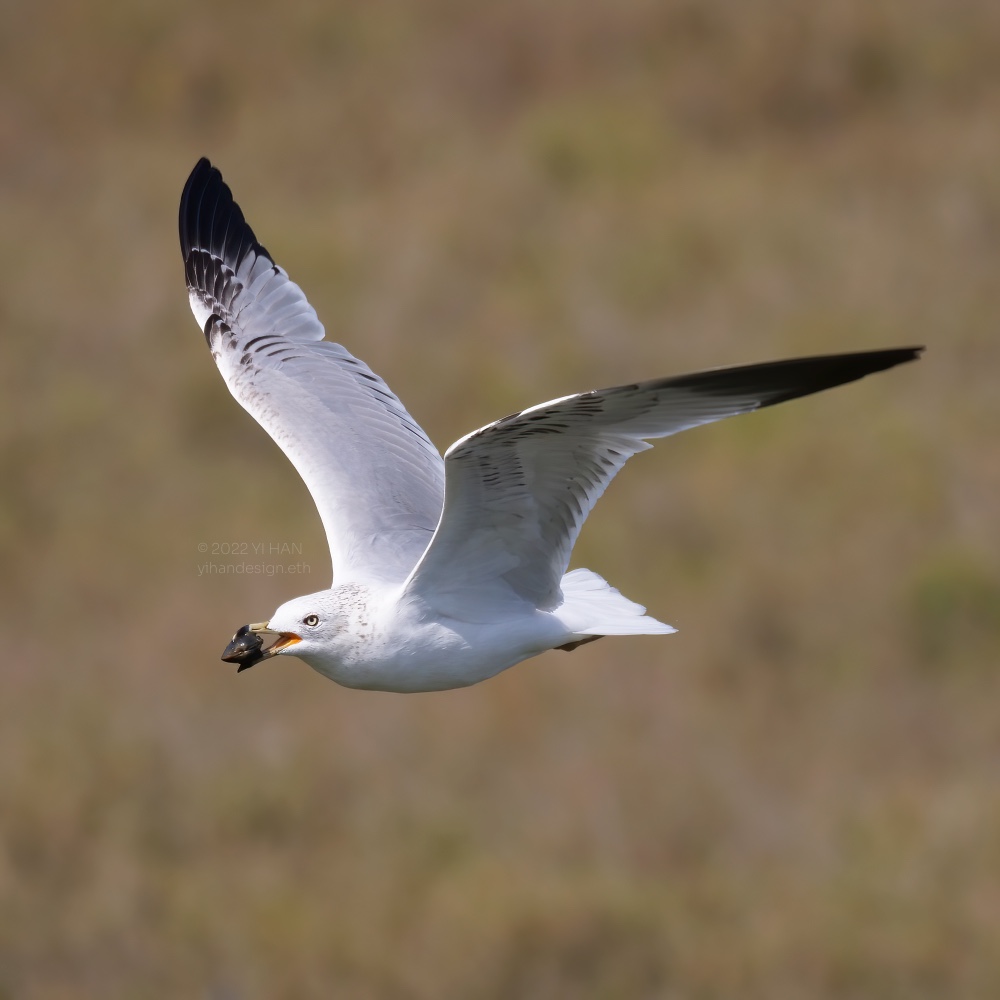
{"type": "Point", "coordinates": [446, 570]}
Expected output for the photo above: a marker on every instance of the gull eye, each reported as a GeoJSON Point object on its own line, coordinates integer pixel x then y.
{"type": "Point", "coordinates": [311, 620]}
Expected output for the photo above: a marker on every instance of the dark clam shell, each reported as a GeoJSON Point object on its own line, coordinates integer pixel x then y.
{"type": "Point", "coordinates": [245, 649]}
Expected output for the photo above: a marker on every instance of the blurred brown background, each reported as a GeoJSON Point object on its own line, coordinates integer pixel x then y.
{"type": "Point", "coordinates": [495, 204]}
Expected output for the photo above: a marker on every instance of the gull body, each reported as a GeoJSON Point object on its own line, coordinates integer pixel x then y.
{"type": "Point", "coordinates": [384, 641]}
{"type": "Point", "coordinates": [446, 570]}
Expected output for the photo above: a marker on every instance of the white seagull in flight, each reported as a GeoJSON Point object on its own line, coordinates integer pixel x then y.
{"type": "Point", "coordinates": [445, 571]}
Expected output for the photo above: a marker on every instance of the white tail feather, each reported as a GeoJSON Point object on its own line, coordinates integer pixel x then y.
{"type": "Point", "coordinates": [591, 606]}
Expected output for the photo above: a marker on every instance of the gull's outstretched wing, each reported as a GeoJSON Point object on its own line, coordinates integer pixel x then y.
{"type": "Point", "coordinates": [376, 479]}
{"type": "Point", "coordinates": [518, 490]}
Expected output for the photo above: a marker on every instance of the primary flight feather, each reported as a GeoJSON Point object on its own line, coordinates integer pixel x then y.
{"type": "Point", "coordinates": [445, 571]}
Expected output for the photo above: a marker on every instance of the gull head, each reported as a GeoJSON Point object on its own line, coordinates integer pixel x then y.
{"type": "Point", "coordinates": [298, 626]}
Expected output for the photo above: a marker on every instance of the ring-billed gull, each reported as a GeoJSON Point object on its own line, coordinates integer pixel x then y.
{"type": "Point", "coordinates": [445, 571]}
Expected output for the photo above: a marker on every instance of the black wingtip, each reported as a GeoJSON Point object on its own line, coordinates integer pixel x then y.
{"type": "Point", "coordinates": [212, 228]}
{"type": "Point", "coordinates": [804, 376]}
{"type": "Point", "coordinates": [897, 355]}
{"type": "Point", "coordinates": [192, 196]}
{"type": "Point", "coordinates": [780, 381]}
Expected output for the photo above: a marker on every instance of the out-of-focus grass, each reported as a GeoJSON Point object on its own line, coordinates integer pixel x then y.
{"type": "Point", "coordinates": [493, 205]}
